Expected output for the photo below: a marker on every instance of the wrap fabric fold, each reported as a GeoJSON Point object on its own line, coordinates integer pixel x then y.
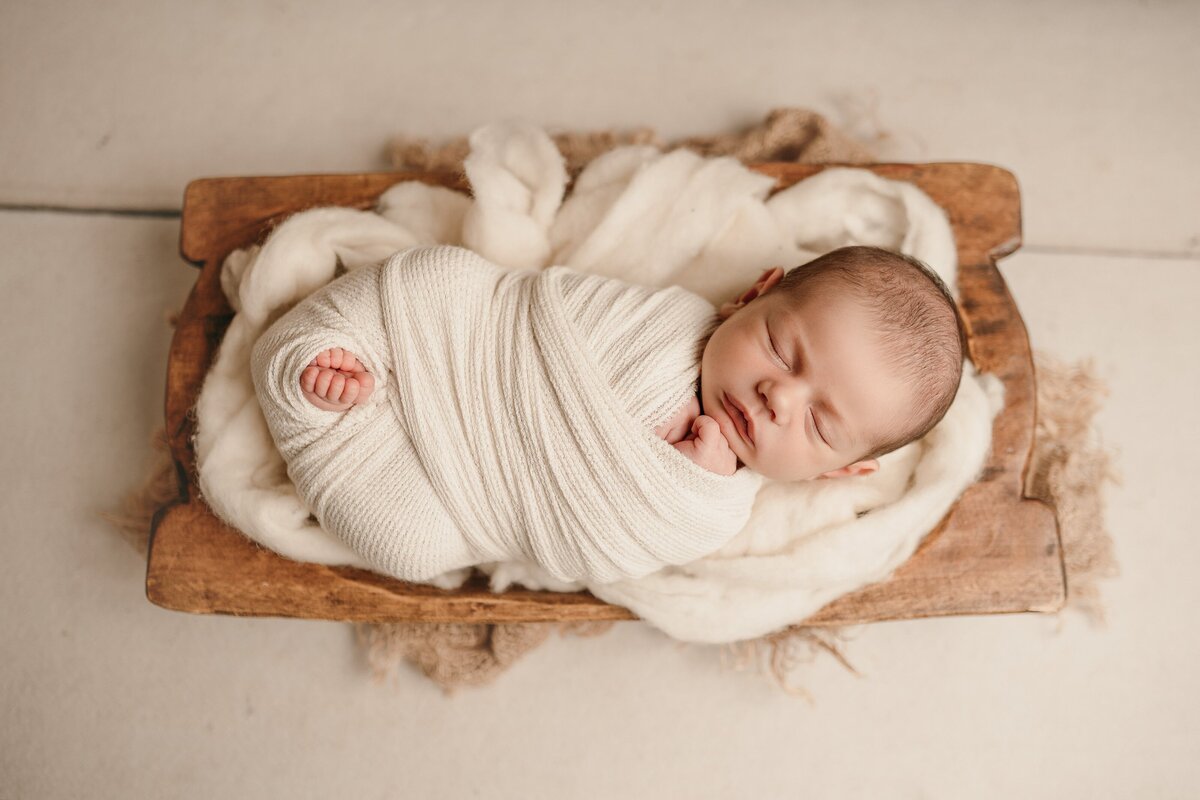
{"type": "Point", "coordinates": [512, 419]}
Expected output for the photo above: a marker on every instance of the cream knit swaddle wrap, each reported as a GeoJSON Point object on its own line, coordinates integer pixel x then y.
{"type": "Point", "coordinates": [512, 418]}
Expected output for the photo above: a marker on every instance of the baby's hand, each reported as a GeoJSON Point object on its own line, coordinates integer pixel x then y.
{"type": "Point", "coordinates": [677, 427]}
{"type": "Point", "coordinates": [707, 448]}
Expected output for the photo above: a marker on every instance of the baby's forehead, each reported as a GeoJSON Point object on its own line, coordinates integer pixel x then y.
{"type": "Point", "coordinates": [821, 297]}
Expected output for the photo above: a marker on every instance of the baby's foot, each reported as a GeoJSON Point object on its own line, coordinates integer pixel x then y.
{"type": "Point", "coordinates": [336, 380]}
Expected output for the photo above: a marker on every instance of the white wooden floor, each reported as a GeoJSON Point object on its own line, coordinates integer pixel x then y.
{"type": "Point", "coordinates": [117, 105]}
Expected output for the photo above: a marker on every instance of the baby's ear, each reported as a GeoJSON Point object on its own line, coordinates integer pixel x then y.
{"type": "Point", "coordinates": [726, 310]}
{"type": "Point", "coordinates": [857, 468]}
{"type": "Point", "coordinates": [768, 279]}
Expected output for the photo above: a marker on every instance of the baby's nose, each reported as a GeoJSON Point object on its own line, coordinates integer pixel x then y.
{"type": "Point", "coordinates": [780, 401]}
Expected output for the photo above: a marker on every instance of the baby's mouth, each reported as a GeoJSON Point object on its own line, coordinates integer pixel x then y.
{"type": "Point", "coordinates": [739, 420]}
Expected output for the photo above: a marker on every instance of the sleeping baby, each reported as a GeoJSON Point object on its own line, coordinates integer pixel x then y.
{"type": "Point", "coordinates": [848, 357]}
{"type": "Point", "coordinates": [437, 411]}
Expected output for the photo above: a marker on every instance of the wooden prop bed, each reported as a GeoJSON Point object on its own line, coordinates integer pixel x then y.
{"type": "Point", "coordinates": [995, 551]}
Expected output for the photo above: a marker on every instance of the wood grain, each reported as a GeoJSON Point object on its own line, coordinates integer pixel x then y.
{"type": "Point", "coordinates": [996, 551]}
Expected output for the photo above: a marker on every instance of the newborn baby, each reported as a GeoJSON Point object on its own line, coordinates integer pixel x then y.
{"type": "Point", "coordinates": [436, 411]}
{"type": "Point", "coordinates": [810, 374]}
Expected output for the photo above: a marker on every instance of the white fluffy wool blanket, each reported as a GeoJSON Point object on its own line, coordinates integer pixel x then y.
{"type": "Point", "coordinates": [650, 218]}
{"type": "Point", "coordinates": [513, 419]}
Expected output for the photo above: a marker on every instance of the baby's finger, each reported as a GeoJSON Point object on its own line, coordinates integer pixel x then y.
{"type": "Point", "coordinates": [336, 384]}
{"type": "Point", "coordinates": [321, 385]}
{"type": "Point", "coordinates": [708, 431]}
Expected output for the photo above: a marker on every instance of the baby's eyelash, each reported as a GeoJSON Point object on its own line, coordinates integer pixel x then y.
{"type": "Point", "coordinates": [817, 428]}
{"type": "Point", "coordinates": [775, 350]}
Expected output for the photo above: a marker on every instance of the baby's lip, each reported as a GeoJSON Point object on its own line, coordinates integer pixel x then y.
{"type": "Point", "coordinates": [730, 401]}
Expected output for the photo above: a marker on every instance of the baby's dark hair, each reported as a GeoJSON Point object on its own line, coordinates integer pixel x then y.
{"type": "Point", "coordinates": [917, 317]}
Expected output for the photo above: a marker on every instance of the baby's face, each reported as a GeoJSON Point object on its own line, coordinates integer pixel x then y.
{"type": "Point", "coordinates": [810, 376]}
